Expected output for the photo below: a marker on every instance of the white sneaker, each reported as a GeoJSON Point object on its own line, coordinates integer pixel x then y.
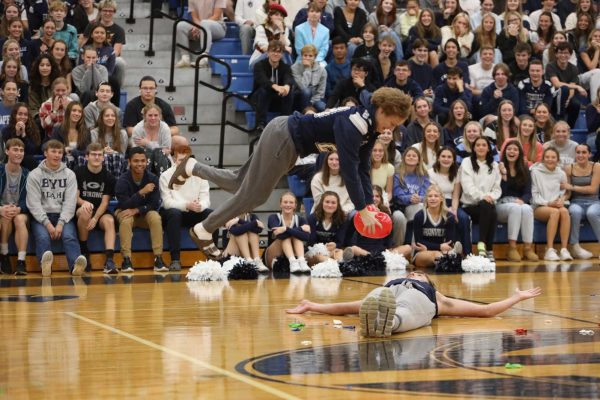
{"type": "Point", "coordinates": [376, 314]}
{"type": "Point", "coordinates": [565, 255]}
{"type": "Point", "coordinates": [79, 266]}
{"type": "Point", "coordinates": [295, 266]}
{"type": "Point", "coordinates": [303, 265]}
{"type": "Point", "coordinates": [184, 62]}
{"type": "Point", "coordinates": [551, 255]}
{"type": "Point", "coordinates": [579, 252]}
{"type": "Point", "coordinates": [47, 259]}
{"type": "Point", "coordinates": [260, 266]}
{"type": "Point", "coordinates": [203, 63]}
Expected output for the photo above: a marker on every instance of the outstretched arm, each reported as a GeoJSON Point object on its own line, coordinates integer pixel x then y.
{"type": "Point", "coordinates": [462, 308]}
{"type": "Point", "coordinates": [331, 309]}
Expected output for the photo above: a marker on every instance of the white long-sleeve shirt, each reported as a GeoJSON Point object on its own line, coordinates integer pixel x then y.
{"type": "Point", "coordinates": [194, 189]}
{"type": "Point", "coordinates": [476, 185]}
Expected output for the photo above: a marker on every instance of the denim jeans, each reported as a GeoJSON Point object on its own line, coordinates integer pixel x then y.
{"type": "Point", "coordinates": [69, 239]}
{"type": "Point", "coordinates": [588, 209]}
{"type": "Point", "coordinates": [303, 99]}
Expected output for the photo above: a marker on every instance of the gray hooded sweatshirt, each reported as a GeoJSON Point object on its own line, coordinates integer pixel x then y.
{"type": "Point", "coordinates": [545, 184]}
{"type": "Point", "coordinates": [51, 192]}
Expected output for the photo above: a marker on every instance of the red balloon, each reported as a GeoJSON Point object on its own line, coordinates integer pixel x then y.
{"type": "Point", "coordinates": [379, 232]}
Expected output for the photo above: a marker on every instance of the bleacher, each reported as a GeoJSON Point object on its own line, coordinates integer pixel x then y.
{"type": "Point", "coordinates": [228, 50]}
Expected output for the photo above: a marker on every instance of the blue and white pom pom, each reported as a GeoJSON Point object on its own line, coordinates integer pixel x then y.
{"type": "Point", "coordinates": [326, 269]}
{"type": "Point", "coordinates": [206, 271]}
{"type": "Point", "coordinates": [231, 262]}
{"type": "Point", "coordinates": [394, 261]}
{"type": "Point", "coordinates": [473, 263]}
{"type": "Point", "coordinates": [318, 249]}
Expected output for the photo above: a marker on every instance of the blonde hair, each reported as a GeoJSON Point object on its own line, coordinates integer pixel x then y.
{"type": "Point", "coordinates": [309, 48]}
{"type": "Point", "coordinates": [443, 207]}
{"type": "Point", "coordinates": [419, 169]}
{"type": "Point", "coordinates": [465, 141]}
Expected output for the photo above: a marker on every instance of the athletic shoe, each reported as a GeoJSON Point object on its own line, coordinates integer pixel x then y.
{"type": "Point", "coordinates": [159, 265]}
{"type": "Point", "coordinates": [175, 265]}
{"type": "Point", "coordinates": [295, 266]}
{"type": "Point", "coordinates": [347, 254]}
{"type": "Point", "coordinates": [180, 175]}
{"type": "Point", "coordinates": [490, 256]}
{"type": "Point", "coordinates": [5, 266]}
{"type": "Point", "coordinates": [481, 249]}
{"type": "Point", "coordinates": [110, 267]}
{"type": "Point", "coordinates": [579, 252]}
{"type": "Point", "coordinates": [79, 266]}
{"type": "Point", "coordinates": [21, 268]}
{"type": "Point", "coordinates": [126, 265]}
{"type": "Point", "coordinates": [376, 314]}
{"type": "Point", "coordinates": [184, 62]}
{"type": "Point", "coordinates": [260, 265]}
{"type": "Point", "coordinates": [551, 255]}
{"type": "Point", "coordinates": [303, 265]}
{"type": "Point", "coordinates": [565, 255]}
{"type": "Point", "coordinates": [513, 255]}
{"type": "Point", "coordinates": [47, 260]}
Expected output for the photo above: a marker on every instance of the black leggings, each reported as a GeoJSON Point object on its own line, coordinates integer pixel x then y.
{"type": "Point", "coordinates": [484, 214]}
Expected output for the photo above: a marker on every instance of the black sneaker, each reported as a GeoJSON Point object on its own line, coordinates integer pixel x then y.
{"type": "Point", "coordinates": [110, 267]}
{"type": "Point", "coordinates": [21, 268]}
{"type": "Point", "coordinates": [5, 266]}
{"type": "Point", "coordinates": [126, 265]}
{"type": "Point", "coordinates": [159, 265]}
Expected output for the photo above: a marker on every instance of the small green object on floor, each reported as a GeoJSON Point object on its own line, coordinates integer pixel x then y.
{"type": "Point", "coordinates": [513, 366]}
{"type": "Point", "coordinates": [296, 325]}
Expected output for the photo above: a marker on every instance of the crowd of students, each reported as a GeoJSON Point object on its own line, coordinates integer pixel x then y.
{"type": "Point", "coordinates": [492, 86]}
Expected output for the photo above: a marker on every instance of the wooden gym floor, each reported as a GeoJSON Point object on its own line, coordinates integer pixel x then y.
{"type": "Point", "coordinates": [153, 336]}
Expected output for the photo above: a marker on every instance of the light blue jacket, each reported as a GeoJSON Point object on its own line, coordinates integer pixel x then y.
{"type": "Point", "coordinates": [320, 41]}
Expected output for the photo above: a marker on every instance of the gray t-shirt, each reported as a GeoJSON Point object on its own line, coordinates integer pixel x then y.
{"type": "Point", "coordinates": [11, 190]}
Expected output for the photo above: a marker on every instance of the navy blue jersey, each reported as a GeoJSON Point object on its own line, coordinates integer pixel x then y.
{"type": "Point", "coordinates": [433, 235]}
{"type": "Point", "coordinates": [293, 231]}
{"type": "Point", "coordinates": [350, 131]}
{"type": "Point", "coordinates": [320, 234]}
{"type": "Point", "coordinates": [424, 287]}
{"type": "Point", "coordinates": [246, 224]}
{"type": "Point", "coordinates": [531, 96]}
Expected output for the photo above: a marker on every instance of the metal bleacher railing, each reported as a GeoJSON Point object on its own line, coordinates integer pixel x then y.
{"type": "Point", "coordinates": [226, 80]}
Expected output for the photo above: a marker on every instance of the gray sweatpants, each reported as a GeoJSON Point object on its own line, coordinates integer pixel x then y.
{"type": "Point", "coordinates": [252, 184]}
{"type": "Point", "coordinates": [413, 309]}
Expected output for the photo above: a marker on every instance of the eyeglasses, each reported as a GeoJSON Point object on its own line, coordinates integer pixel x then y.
{"type": "Point", "coordinates": [108, 11]}
{"type": "Point", "coordinates": [96, 154]}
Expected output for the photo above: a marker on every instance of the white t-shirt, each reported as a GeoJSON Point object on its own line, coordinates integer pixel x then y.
{"type": "Point", "coordinates": [443, 182]}
{"type": "Point", "coordinates": [480, 78]}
